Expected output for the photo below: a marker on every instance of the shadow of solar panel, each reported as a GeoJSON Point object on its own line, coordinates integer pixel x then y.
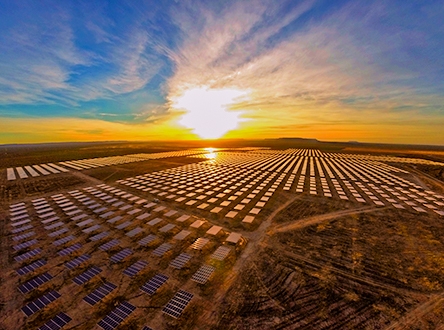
{"type": "Point", "coordinates": [69, 249]}
{"type": "Point", "coordinates": [40, 303]}
{"type": "Point", "coordinates": [23, 236]}
{"type": "Point", "coordinates": [56, 323]}
{"type": "Point", "coordinates": [24, 245]}
{"type": "Point", "coordinates": [28, 254]}
{"type": "Point", "coordinates": [221, 253]}
{"type": "Point", "coordinates": [77, 261]}
{"type": "Point", "coordinates": [99, 236]}
{"type": "Point", "coordinates": [147, 240]}
{"type": "Point", "coordinates": [119, 256]}
{"type": "Point", "coordinates": [199, 243]}
{"type": "Point", "coordinates": [162, 249]}
{"type": "Point", "coordinates": [203, 274]}
{"type": "Point", "coordinates": [35, 282]}
{"type": "Point", "coordinates": [113, 319]}
{"type": "Point", "coordinates": [87, 275]}
{"type": "Point", "coordinates": [20, 229]}
{"type": "Point", "coordinates": [180, 261]}
{"type": "Point", "coordinates": [178, 303]}
{"type": "Point", "coordinates": [63, 240]}
{"type": "Point", "coordinates": [31, 267]}
{"type": "Point", "coordinates": [135, 268]}
{"type": "Point", "coordinates": [109, 245]}
{"type": "Point", "coordinates": [99, 293]}
{"type": "Point", "coordinates": [154, 284]}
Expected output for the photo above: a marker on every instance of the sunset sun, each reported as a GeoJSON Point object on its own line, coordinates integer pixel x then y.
{"type": "Point", "coordinates": [207, 111]}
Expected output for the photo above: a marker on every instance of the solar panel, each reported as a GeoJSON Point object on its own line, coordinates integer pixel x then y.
{"type": "Point", "coordinates": [147, 328]}
{"type": "Point", "coordinates": [77, 261]}
{"type": "Point", "coordinates": [40, 303]}
{"type": "Point", "coordinates": [99, 236]}
{"type": "Point", "coordinates": [147, 240]}
{"type": "Point", "coordinates": [113, 319]}
{"type": "Point", "coordinates": [34, 283]}
{"type": "Point", "coordinates": [20, 229]}
{"type": "Point", "coordinates": [87, 275]}
{"type": "Point", "coordinates": [58, 232]}
{"type": "Point", "coordinates": [119, 256]}
{"type": "Point", "coordinates": [109, 245]}
{"type": "Point", "coordinates": [180, 261]}
{"type": "Point", "coordinates": [199, 243]}
{"type": "Point", "coordinates": [154, 222]}
{"type": "Point", "coordinates": [221, 253]}
{"type": "Point", "coordinates": [167, 228]}
{"type": "Point", "coordinates": [135, 268]}
{"type": "Point", "coordinates": [24, 245]}
{"type": "Point", "coordinates": [203, 274]}
{"type": "Point", "coordinates": [180, 236]}
{"type": "Point", "coordinates": [23, 236]}
{"type": "Point", "coordinates": [123, 225]}
{"type": "Point", "coordinates": [31, 267]}
{"type": "Point", "coordinates": [63, 240]}
{"type": "Point", "coordinates": [99, 293]}
{"type": "Point", "coordinates": [154, 284]}
{"type": "Point", "coordinates": [162, 249]}
{"type": "Point", "coordinates": [178, 303]}
{"type": "Point", "coordinates": [56, 323]}
{"type": "Point", "coordinates": [134, 232]}
{"type": "Point", "coordinates": [91, 229]}
{"type": "Point", "coordinates": [28, 254]}
{"type": "Point", "coordinates": [69, 249]}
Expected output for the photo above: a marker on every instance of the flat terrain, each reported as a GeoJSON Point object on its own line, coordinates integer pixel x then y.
{"type": "Point", "coordinates": [303, 235]}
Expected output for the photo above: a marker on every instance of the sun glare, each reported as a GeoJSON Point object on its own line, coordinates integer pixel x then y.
{"type": "Point", "coordinates": [208, 111]}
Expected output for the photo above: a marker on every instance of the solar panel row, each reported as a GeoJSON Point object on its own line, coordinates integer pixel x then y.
{"type": "Point", "coordinates": [99, 293]}
{"type": "Point", "coordinates": [178, 303]}
{"type": "Point", "coordinates": [40, 303]}
{"type": "Point", "coordinates": [57, 322]}
{"type": "Point", "coordinates": [87, 275]}
{"type": "Point", "coordinates": [135, 268]}
{"type": "Point", "coordinates": [35, 282]}
{"type": "Point", "coordinates": [119, 256]}
{"type": "Point", "coordinates": [31, 267]}
{"type": "Point", "coordinates": [154, 284]}
{"type": "Point", "coordinates": [77, 261]}
{"type": "Point", "coordinates": [117, 316]}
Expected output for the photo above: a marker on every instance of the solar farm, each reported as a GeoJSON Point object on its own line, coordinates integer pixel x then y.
{"type": "Point", "coordinates": [234, 238]}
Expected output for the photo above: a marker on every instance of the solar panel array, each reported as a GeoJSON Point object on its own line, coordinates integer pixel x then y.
{"type": "Point", "coordinates": [147, 240]}
{"type": "Point", "coordinates": [57, 322]}
{"type": "Point", "coordinates": [69, 249]}
{"type": "Point", "coordinates": [178, 303]}
{"type": "Point", "coordinates": [135, 268]}
{"type": "Point", "coordinates": [119, 256]}
{"type": "Point", "coordinates": [162, 249]}
{"type": "Point", "coordinates": [31, 267]}
{"type": "Point", "coordinates": [77, 261]}
{"type": "Point", "coordinates": [41, 302]}
{"type": "Point", "coordinates": [87, 275]}
{"type": "Point", "coordinates": [180, 261]}
{"type": "Point", "coordinates": [221, 253]}
{"type": "Point", "coordinates": [117, 316]}
{"type": "Point", "coordinates": [35, 283]}
{"type": "Point", "coordinates": [98, 294]}
{"type": "Point", "coordinates": [154, 284]}
{"type": "Point", "coordinates": [203, 274]}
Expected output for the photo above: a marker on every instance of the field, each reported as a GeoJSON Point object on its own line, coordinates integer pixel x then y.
{"type": "Point", "coordinates": [302, 235]}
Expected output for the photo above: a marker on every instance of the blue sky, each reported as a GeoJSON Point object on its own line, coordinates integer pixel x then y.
{"type": "Point", "coordinates": [338, 70]}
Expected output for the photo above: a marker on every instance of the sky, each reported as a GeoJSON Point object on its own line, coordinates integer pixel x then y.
{"type": "Point", "coordinates": [369, 71]}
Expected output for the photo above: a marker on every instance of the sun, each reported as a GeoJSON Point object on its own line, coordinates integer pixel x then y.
{"type": "Point", "coordinates": [207, 111]}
